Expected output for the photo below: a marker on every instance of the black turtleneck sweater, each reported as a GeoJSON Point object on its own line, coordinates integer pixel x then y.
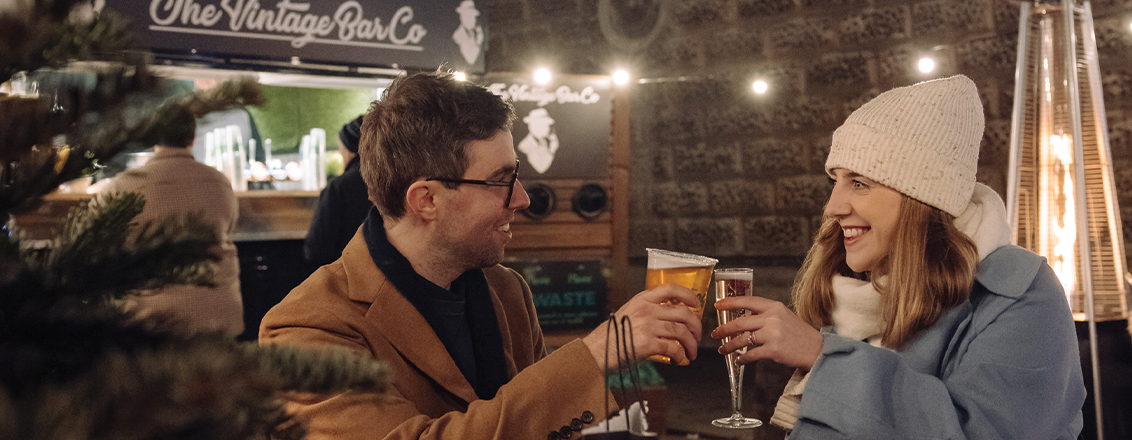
{"type": "Point", "coordinates": [463, 318]}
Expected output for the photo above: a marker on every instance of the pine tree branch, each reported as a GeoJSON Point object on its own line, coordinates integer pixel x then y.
{"type": "Point", "coordinates": [98, 117]}
{"type": "Point", "coordinates": [178, 112]}
{"type": "Point", "coordinates": [100, 253]}
{"type": "Point", "coordinates": [49, 33]}
{"type": "Point", "coordinates": [52, 34]}
{"type": "Point", "coordinates": [98, 379]}
{"type": "Point", "coordinates": [321, 370]}
{"type": "Point", "coordinates": [71, 365]}
{"type": "Point", "coordinates": [97, 124]}
{"type": "Point", "coordinates": [95, 378]}
{"type": "Point", "coordinates": [103, 252]}
{"type": "Point", "coordinates": [242, 91]}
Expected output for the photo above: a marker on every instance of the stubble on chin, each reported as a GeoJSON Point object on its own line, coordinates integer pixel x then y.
{"type": "Point", "coordinates": [493, 259]}
{"type": "Point", "coordinates": [482, 257]}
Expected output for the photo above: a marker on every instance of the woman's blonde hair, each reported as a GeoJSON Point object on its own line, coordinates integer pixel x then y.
{"type": "Point", "coordinates": [929, 269]}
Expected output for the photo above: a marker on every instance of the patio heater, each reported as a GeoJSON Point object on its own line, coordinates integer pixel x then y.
{"type": "Point", "coordinates": [1061, 199]}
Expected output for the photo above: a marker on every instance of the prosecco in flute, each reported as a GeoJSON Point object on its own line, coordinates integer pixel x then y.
{"type": "Point", "coordinates": [731, 283]}
{"type": "Point", "coordinates": [688, 270]}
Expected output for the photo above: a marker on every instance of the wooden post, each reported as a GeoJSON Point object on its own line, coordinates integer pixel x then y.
{"type": "Point", "coordinates": [619, 198]}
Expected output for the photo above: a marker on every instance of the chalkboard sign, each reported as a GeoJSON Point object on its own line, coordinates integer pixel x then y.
{"type": "Point", "coordinates": [568, 295]}
{"type": "Point", "coordinates": [562, 128]}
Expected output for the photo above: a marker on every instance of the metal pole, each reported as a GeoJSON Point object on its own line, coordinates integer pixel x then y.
{"type": "Point", "coordinates": [1080, 202]}
{"type": "Point", "coordinates": [1017, 122]}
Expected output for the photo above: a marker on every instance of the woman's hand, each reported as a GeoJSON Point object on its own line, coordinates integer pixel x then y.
{"type": "Point", "coordinates": [770, 331]}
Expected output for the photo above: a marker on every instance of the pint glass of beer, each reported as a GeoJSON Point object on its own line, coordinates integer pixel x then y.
{"type": "Point", "coordinates": [688, 270]}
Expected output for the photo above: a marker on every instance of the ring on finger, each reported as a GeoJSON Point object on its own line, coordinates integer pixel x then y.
{"type": "Point", "coordinates": [751, 339]}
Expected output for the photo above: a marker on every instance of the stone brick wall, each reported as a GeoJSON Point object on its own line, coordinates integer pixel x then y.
{"type": "Point", "coordinates": [721, 171]}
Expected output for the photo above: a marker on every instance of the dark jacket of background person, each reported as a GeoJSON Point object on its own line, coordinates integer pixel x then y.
{"type": "Point", "coordinates": [342, 206]}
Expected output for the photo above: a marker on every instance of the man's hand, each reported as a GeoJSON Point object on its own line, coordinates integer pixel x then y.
{"type": "Point", "coordinates": [658, 326]}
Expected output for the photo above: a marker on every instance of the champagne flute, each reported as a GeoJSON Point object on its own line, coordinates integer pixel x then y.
{"type": "Point", "coordinates": [730, 283]}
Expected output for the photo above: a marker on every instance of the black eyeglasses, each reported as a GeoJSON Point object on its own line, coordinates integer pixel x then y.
{"type": "Point", "coordinates": [510, 184]}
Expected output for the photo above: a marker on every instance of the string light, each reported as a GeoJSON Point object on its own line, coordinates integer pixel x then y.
{"type": "Point", "coordinates": [760, 86]}
{"type": "Point", "coordinates": [542, 76]}
{"type": "Point", "coordinates": [926, 65]}
{"type": "Point", "coordinates": [620, 77]}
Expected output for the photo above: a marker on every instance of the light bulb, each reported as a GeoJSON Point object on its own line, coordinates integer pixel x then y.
{"type": "Point", "coordinates": [542, 76]}
{"type": "Point", "coordinates": [759, 86]}
{"type": "Point", "coordinates": [620, 77]}
{"type": "Point", "coordinates": [926, 65]}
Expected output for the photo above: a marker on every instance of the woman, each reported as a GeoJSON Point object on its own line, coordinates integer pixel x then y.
{"type": "Point", "coordinates": [931, 324]}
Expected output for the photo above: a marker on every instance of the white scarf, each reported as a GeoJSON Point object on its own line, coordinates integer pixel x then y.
{"type": "Point", "coordinates": [984, 221]}
{"type": "Point", "coordinates": [856, 310]}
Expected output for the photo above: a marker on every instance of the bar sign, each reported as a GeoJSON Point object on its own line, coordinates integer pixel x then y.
{"type": "Point", "coordinates": [567, 294]}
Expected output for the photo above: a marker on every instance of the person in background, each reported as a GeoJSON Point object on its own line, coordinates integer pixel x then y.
{"type": "Point", "coordinates": [175, 184]}
{"type": "Point", "coordinates": [343, 204]}
{"type": "Point", "coordinates": [420, 287]}
{"type": "Point", "coordinates": [932, 324]}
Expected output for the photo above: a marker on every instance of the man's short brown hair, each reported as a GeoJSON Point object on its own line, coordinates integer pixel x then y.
{"type": "Point", "coordinates": [421, 128]}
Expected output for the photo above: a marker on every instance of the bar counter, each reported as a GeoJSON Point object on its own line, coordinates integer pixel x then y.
{"type": "Point", "coordinates": [264, 215]}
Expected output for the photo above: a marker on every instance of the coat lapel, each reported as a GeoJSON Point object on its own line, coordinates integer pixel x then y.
{"type": "Point", "coordinates": [504, 331]}
{"type": "Point", "coordinates": [393, 316]}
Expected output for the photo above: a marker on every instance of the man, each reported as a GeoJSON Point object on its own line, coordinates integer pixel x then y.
{"type": "Point", "coordinates": [420, 287]}
{"type": "Point", "coordinates": [343, 204]}
{"type": "Point", "coordinates": [175, 184]}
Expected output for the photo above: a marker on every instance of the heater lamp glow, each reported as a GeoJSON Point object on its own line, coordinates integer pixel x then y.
{"type": "Point", "coordinates": [1058, 219]}
{"type": "Point", "coordinates": [1061, 194]}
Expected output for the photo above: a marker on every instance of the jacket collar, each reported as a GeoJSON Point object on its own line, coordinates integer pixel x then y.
{"type": "Point", "coordinates": [391, 314]}
{"type": "Point", "coordinates": [484, 347]}
{"type": "Point", "coordinates": [1008, 271]}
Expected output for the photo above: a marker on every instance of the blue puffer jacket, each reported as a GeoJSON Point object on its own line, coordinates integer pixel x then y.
{"type": "Point", "coordinates": [1003, 365]}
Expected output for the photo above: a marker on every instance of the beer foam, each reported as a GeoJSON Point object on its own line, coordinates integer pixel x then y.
{"type": "Point", "coordinates": [662, 259]}
{"type": "Point", "coordinates": [735, 275]}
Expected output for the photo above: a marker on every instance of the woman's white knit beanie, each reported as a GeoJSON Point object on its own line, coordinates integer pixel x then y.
{"type": "Point", "coordinates": [922, 140]}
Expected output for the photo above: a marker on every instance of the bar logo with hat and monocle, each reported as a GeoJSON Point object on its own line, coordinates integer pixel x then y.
{"type": "Point", "coordinates": [561, 130]}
